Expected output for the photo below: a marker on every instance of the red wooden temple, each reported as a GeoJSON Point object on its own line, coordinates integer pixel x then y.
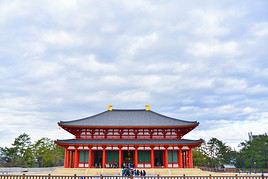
{"type": "Point", "coordinates": [139, 138]}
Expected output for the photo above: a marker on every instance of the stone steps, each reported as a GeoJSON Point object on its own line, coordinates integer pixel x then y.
{"type": "Point", "coordinates": [99, 171]}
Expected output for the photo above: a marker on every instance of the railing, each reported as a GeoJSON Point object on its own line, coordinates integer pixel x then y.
{"type": "Point", "coordinates": [131, 177]}
{"type": "Point", "coordinates": [236, 170]}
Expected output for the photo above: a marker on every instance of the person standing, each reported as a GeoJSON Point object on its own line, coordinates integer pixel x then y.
{"type": "Point", "coordinates": [141, 173]}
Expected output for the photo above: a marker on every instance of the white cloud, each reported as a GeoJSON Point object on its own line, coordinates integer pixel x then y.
{"type": "Point", "coordinates": [196, 61]}
{"type": "Point", "coordinates": [61, 38]}
{"type": "Point", "coordinates": [214, 48]}
{"type": "Point", "coordinates": [9, 11]}
{"type": "Point", "coordinates": [109, 28]}
{"type": "Point", "coordinates": [89, 63]}
{"type": "Point", "coordinates": [141, 42]}
{"type": "Point", "coordinates": [211, 23]}
{"type": "Point", "coordinates": [261, 29]}
{"type": "Point", "coordinates": [232, 132]}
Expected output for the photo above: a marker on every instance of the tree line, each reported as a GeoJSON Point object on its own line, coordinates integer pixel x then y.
{"type": "Point", "coordinates": [24, 153]}
{"type": "Point", "coordinates": [215, 153]}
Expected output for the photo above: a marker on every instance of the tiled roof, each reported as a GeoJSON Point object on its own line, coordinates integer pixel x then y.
{"type": "Point", "coordinates": [130, 142]}
{"type": "Point", "coordinates": [129, 117]}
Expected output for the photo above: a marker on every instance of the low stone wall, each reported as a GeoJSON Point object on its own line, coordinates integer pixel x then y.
{"type": "Point", "coordinates": [20, 170]}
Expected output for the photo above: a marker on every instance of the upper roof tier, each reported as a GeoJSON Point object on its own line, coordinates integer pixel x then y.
{"type": "Point", "coordinates": [128, 118]}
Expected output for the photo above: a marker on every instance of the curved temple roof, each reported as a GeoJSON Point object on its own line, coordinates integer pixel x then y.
{"type": "Point", "coordinates": [128, 117]}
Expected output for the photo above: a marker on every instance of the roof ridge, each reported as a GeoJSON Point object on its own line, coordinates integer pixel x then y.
{"type": "Point", "coordinates": [127, 110]}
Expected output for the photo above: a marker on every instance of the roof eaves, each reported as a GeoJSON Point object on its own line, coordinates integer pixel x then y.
{"type": "Point", "coordinates": [77, 120]}
{"type": "Point", "coordinates": [173, 118]}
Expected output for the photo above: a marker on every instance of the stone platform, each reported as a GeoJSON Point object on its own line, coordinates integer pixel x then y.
{"type": "Point", "coordinates": [101, 171]}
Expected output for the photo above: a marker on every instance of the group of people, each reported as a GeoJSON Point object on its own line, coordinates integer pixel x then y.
{"type": "Point", "coordinates": [139, 172]}
{"type": "Point", "coordinates": [112, 165]}
{"type": "Point", "coordinates": [133, 172]}
{"type": "Point", "coordinates": [128, 165]}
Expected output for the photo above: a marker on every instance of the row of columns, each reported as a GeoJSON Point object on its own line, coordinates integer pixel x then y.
{"type": "Point", "coordinates": [67, 163]}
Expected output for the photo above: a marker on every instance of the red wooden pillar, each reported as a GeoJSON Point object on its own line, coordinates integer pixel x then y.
{"type": "Point", "coordinates": [89, 157]}
{"type": "Point", "coordinates": [120, 157]}
{"type": "Point", "coordinates": [190, 158]}
{"type": "Point", "coordinates": [187, 158]}
{"type": "Point", "coordinates": [166, 158]}
{"type": "Point", "coordinates": [152, 157]}
{"type": "Point", "coordinates": [92, 158]}
{"type": "Point", "coordinates": [76, 158]}
{"type": "Point", "coordinates": [136, 157]}
{"type": "Point", "coordinates": [65, 157]}
{"type": "Point", "coordinates": [68, 159]}
{"type": "Point", "coordinates": [180, 158]}
{"type": "Point", "coordinates": [103, 157]}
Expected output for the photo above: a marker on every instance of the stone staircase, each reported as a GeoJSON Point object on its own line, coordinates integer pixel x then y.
{"type": "Point", "coordinates": [106, 171]}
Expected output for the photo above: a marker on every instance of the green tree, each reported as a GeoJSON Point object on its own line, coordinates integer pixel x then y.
{"type": "Point", "coordinates": [253, 154]}
{"type": "Point", "coordinates": [42, 152]}
{"type": "Point", "coordinates": [20, 153]}
{"type": "Point", "coordinates": [199, 158]}
{"type": "Point", "coordinates": [217, 153]}
{"type": "Point", "coordinates": [47, 153]}
{"type": "Point", "coordinates": [58, 155]}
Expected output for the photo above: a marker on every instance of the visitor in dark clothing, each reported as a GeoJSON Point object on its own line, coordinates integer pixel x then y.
{"type": "Point", "coordinates": [144, 173]}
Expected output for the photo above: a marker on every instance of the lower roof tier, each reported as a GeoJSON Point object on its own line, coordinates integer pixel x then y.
{"type": "Point", "coordinates": [86, 142]}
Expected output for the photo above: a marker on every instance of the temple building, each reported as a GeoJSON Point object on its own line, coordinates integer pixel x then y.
{"type": "Point", "coordinates": [139, 138]}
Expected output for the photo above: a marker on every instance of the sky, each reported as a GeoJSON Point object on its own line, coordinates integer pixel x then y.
{"type": "Point", "coordinates": [202, 61]}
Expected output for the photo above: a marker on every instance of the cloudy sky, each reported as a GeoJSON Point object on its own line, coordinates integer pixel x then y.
{"type": "Point", "coordinates": [200, 60]}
